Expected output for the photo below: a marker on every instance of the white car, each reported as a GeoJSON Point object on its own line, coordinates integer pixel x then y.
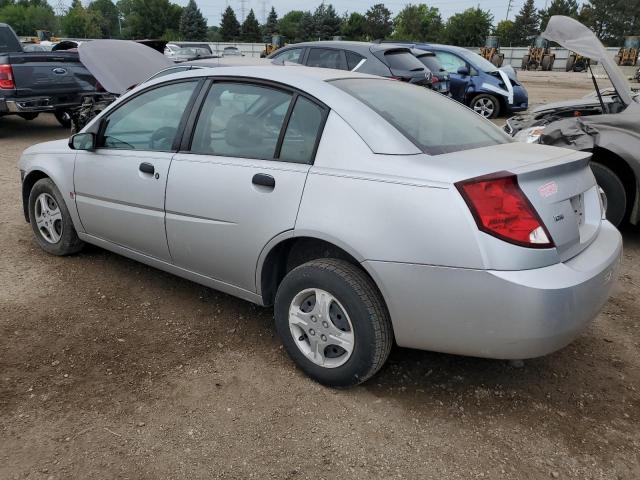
{"type": "Point", "coordinates": [367, 210]}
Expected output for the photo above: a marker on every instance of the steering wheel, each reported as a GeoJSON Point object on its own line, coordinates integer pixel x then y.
{"type": "Point", "coordinates": [162, 138]}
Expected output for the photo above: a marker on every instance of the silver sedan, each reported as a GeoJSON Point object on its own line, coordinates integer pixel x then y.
{"type": "Point", "coordinates": [366, 210]}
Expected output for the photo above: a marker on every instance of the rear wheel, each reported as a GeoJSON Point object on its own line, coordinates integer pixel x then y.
{"type": "Point", "coordinates": [614, 192]}
{"type": "Point", "coordinates": [547, 63]}
{"type": "Point", "coordinates": [63, 117]}
{"type": "Point", "coordinates": [486, 105]}
{"type": "Point", "coordinates": [51, 221]}
{"type": "Point", "coordinates": [333, 322]}
{"type": "Point", "coordinates": [525, 62]}
{"type": "Point", "coordinates": [571, 60]}
{"type": "Point", "coordinates": [497, 59]}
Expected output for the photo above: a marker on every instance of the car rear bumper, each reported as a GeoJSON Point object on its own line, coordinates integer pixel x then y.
{"type": "Point", "coordinates": [499, 314]}
{"type": "Point", "coordinates": [38, 104]}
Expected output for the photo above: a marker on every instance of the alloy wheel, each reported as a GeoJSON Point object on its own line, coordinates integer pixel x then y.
{"type": "Point", "coordinates": [484, 107]}
{"type": "Point", "coordinates": [48, 218]}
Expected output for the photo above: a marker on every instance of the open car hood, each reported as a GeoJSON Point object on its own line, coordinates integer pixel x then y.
{"type": "Point", "coordinates": [573, 35]}
{"type": "Point", "coordinates": [121, 64]}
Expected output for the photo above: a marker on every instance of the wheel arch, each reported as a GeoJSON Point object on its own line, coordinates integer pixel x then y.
{"type": "Point", "coordinates": [287, 251]}
{"type": "Point", "coordinates": [627, 174]}
{"type": "Point", "coordinates": [27, 184]}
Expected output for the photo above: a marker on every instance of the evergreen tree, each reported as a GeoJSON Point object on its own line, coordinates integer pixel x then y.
{"type": "Point", "coordinates": [526, 24]}
{"type": "Point", "coordinates": [326, 22]}
{"type": "Point", "coordinates": [251, 29]}
{"type": "Point", "coordinates": [378, 22]}
{"type": "Point", "coordinates": [229, 26]}
{"type": "Point", "coordinates": [353, 26]}
{"type": "Point", "coordinates": [568, 8]}
{"type": "Point", "coordinates": [271, 26]}
{"type": "Point", "coordinates": [306, 28]}
{"type": "Point", "coordinates": [289, 25]}
{"type": "Point", "coordinates": [611, 20]}
{"type": "Point", "coordinates": [193, 26]}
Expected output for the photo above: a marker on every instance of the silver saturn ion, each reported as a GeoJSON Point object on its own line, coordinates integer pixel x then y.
{"type": "Point", "coordinates": [366, 210]}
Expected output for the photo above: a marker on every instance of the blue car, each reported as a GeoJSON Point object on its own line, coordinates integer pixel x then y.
{"type": "Point", "coordinates": [477, 83]}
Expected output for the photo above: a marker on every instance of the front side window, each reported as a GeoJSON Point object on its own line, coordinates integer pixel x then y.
{"type": "Point", "coordinates": [148, 121]}
{"type": "Point", "coordinates": [450, 61]}
{"type": "Point", "coordinates": [326, 58]}
{"type": "Point", "coordinates": [241, 120]}
{"type": "Point", "coordinates": [433, 122]}
{"type": "Point", "coordinates": [302, 131]}
{"type": "Point", "coordinates": [293, 55]}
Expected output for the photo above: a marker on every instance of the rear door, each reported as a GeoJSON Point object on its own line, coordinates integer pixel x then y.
{"type": "Point", "coordinates": [120, 186]}
{"type": "Point", "coordinates": [240, 182]}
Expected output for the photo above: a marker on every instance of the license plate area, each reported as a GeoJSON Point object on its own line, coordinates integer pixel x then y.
{"type": "Point", "coordinates": [577, 205]}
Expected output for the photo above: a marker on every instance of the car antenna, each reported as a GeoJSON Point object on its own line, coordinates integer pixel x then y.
{"type": "Point", "coordinates": [595, 84]}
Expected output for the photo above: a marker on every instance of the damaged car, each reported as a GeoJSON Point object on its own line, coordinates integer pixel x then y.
{"type": "Point", "coordinates": [606, 123]}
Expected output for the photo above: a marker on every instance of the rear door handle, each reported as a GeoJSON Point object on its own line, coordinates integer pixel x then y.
{"type": "Point", "coordinates": [146, 167]}
{"type": "Point", "coordinates": [264, 180]}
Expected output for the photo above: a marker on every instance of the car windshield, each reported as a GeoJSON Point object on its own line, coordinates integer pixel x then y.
{"type": "Point", "coordinates": [433, 122]}
{"type": "Point", "coordinates": [477, 61]}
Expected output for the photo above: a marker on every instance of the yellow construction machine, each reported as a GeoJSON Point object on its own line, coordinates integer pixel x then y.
{"type": "Point", "coordinates": [539, 56]}
{"type": "Point", "coordinates": [276, 42]}
{"type": "Point", "coordinates": [628, 54]}
{"type": "Point", "coordinates": [491, 51]}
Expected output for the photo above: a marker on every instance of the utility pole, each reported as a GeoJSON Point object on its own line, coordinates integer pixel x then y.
{"type": "Point", "coordinates": [264, 12]}
{"type": "Point", "coordinates": [243, 9]}
{"type": "Point", "coordinates": [508, 9]}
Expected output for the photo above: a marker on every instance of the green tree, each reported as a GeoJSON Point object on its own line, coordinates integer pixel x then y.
{"type": "Point", "coordinates": [505, 31]}
{"type": "Point", "coordinates": [326, 22]}
{"type": "Point", "coordinates": [306, 28]}
{"type": "Point", "coordinates": [107, 13]}
{"type": "Point", "coordinates": [468, 28]}
{"type": "Point", "coordinates": [568, 8]}
{"type": "Point", "coordinates": [229, 26]}
{"type": "Point", "coordinates": [26, 19]}
{"type": "Point", "coordinates": [250, 31]}
{"type": "Point", "coordinates": [418, 22]}
{"type": "Point", "coordinates": [271, 26]}
{"type": "Point", "coordinates": [611, 20]}
{"type": "Point", "coordinates": [213, 34]}
{"type": "Point", "coordinates": [526, 24]}
{"type": "Point", "coordinates": [193, 26]}
{"type": "Point", "coordinates": [80, 23]}
{"type": "Point", "coordinates": [288, 25]}
{"type": "Point", "coordinates": [149, 18]}
{"type": "Point", "coordinates": [354, 27]}
{"type": "Point", "coordinates": [378, 22]}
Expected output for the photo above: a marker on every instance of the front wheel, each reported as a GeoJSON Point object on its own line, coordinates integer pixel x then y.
{"type": "Point", "coordinates": [333, 322]}
{"type": "Point", "coordinates": [63, 117]}
{"type": "Point", "coordinates": [51, 221]}
{"type": "Point", "coordinates": [614, 192]}
{"type": "Point", "coordinates": [525, 62]}
{"type": "Point", "coordinates": [486, 105]}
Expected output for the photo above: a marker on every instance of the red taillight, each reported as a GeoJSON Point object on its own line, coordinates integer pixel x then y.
{"type": "Point", "coordinates": [501, 209]}
{"type": "Point", "coordinates": [434, 80]}
{"type": "Point", "coordinates": [6, 77]}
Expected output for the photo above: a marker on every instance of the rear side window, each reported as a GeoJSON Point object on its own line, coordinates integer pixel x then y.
{"type": "Point", "coordinates": [8, 41]}
{"type": "Point", "coordinates": [433, 122]}
{"type": "Point", "coordinates": [241, 120]}
{"type": "Point", "coordinates": [294, 55]}
{"type": "Point", "coordinates": [402, 60]}
{"type": "Point", "coordinates": [302, 132]}
{"type": "Point", "coordinates": [326, 58]}
{"type": "Point", "coordinates": [431, 62]}
{"type": "Point", "coordinates": [353, 59]}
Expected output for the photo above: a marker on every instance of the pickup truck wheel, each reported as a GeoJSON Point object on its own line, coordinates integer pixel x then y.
{"type": "Point", "coordinates": [29, 115]}
{"type": "Point", "coordinates": [614, 192]}
{"type": "Point", "coordinates": [333, 322]}
{"type": "Point", "coordinates": [51, 221]}
{"type": "Point", "coordinates": [63, 117]}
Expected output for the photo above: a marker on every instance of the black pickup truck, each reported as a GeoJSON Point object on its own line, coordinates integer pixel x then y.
{"type": "Point", "coordinates": [36, 82]}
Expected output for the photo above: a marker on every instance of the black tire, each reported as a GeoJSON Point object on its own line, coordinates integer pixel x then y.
{"type": "Point", "coordinates": [614, 191]}
{"type": "Point", "coordinates": [63, 117]}
{"type": "Point", "coordinates": [571, 61]}
{"type": "Point", "coordinates": [525, 62]}
{"type": "Point", "coordinates": [547, 63]}
{"type": "Point", "coordinates": [68, 243]}
{"type": "Point", "coordinates": [364, 306]}
{"type": "Point", "coordinates": [489, 101]}
{"type": "Point", "coordinates": [29, 115]}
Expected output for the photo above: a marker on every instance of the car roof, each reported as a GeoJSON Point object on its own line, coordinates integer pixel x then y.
{"type": "Point", "coordinates": [360, 47]}
{"type": "Point", "coordinates": [378, 135]}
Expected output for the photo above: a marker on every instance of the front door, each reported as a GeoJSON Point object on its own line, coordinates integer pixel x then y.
{"type": "Point", "coordinates": [458, 84]}
{"type": "Point", "coordinates": [241, 182]}
{"type": "Point", "coordinates": [120, 186]}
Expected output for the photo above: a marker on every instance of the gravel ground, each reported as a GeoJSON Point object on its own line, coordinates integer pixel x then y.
{"type": "Point", "coordinates": [110, 369]}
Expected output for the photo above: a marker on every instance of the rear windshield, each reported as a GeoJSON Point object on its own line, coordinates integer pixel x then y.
{"type": "Point", "coordinates": [402, 60]}
{"type": "Point", "coordinates": [433, 122]}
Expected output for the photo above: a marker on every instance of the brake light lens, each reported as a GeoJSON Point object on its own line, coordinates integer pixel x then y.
{"type": "Point", "coordinates": [6, 77]}
{"type": "Point", "coordinates": [502, 210]}
{"type": "Point", "coordinates": [434, 80]}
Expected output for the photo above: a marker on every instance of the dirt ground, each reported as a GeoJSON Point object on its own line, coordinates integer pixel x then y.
{"type": "Point", "coordinates": [110, 369]}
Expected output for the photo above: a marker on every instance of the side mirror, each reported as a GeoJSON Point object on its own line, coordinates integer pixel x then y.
{"type": "Point", "coordinates": [464, 71]}
{"type": "Point", "coordinates": [83, 141]}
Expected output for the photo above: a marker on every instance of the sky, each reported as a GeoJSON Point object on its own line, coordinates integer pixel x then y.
{"type": "Point", "coordinates": [212, 9]}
